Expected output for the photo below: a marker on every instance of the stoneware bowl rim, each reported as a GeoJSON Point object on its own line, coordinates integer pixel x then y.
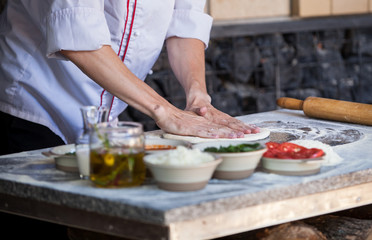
{"type": "Point", "coordinates": [202, 146]}
{"type": "Point", "coordinates": [216, 161]}
{"type": "Point", "coordinates": [296, 161]}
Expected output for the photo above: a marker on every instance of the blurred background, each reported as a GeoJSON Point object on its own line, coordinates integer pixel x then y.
{"type": "Point", "coordinates": [261, 50]}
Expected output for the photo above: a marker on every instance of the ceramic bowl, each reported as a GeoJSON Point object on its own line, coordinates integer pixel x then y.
{"type": "Point", "coordinates": [157, 145]}
{"type": "Point", "coordinates": [234, 165]}
{"type": "Point", "coordinates": [65, 158]}
{"type": "Point", "coordinates": [292, 167]}
{"type": "Point", "coordinates": [181, 178]}
{"type": "Point", "coordinates": [63, 149]}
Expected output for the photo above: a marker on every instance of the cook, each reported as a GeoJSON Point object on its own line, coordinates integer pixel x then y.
{"type": "Point", "coordinates": [52, 50]}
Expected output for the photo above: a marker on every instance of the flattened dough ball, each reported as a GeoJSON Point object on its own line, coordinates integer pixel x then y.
{"type": "Point", "coordinates": [264, 133]}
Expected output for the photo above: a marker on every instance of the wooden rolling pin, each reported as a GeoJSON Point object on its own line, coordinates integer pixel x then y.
{"type": "Point", "coordinates": [330, 109]}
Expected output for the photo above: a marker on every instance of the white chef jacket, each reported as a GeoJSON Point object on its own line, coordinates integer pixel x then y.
{"type": "Point", "coordinates": [37, 84]}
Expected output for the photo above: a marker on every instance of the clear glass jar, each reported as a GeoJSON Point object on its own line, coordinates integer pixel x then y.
{"type": "Point", "coordinates": [116, 155]}
{"type": "Point", "coordinates": [91, 115]}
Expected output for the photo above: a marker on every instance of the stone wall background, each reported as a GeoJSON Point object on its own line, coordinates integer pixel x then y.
{"type": "Point", "coordinates": [247, 74]}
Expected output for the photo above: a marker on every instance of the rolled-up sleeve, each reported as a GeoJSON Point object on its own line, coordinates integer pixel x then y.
{"type": "Point", "coordinates": [190, 21]}
{"type": "Point", "coordinates": [76, 29]}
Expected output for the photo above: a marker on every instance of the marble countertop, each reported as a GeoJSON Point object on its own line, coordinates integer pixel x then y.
{"type": "Point", "coordinates": [30, 175]}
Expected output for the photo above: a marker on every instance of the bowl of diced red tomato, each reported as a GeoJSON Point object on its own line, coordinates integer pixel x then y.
{"type": "Point", "coordinates": [292, 159]}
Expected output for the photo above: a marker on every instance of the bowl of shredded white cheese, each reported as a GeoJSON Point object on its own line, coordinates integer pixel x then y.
{"type": "Point", "coordinates": [182, 169]}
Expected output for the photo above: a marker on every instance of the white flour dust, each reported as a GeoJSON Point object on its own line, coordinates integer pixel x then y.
{"type": "Point", "coordinates": [322, 132]}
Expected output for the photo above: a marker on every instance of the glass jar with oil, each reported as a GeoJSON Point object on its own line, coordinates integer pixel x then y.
{"type": "Point", "coordinates": [116, 155]}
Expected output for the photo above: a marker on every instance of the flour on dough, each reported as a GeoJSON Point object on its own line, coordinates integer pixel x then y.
{"type": "Point", "coordinates": [264, 133]}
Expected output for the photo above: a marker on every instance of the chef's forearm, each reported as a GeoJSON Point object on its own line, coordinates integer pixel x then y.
{"type": "Point", "coordinates": [106, 69]}
{"type": "Point", "coordinates": [187, 59]}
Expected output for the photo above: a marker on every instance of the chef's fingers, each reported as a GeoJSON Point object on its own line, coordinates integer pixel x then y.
{"type": "Point", "coordinates": [210, 130]}
{"type": "Point", "coordinates": [238, 127]}
{"type": "Point", "coordinates": [214, 130]}
{"type": "Point", "coordinates": [188, 123]}
{"type": "Point", "coordinates": [236, 124]}
{"type": "Point", "coordinates": [216, 116]}
{"type": "Point", "coordinates": [219, 117]}
{"type": "Point", "coordinates": [218, 131]}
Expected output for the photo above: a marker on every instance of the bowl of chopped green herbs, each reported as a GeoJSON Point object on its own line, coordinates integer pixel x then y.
{"type": "Point", "coordinates": [239, 159]}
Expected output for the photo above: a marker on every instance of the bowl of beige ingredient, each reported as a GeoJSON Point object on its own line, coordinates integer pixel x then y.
{"type": "Point", "coordinates": [182, 169]}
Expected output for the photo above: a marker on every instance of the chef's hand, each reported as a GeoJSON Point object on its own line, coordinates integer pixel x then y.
{"type": "Point", "coordinates": [188, 123]}
{"type": "Point", "coordinates": [202, 106]}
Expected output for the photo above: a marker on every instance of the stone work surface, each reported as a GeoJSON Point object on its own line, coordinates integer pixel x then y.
{"type": "Point", "coordinates": [33, 176]}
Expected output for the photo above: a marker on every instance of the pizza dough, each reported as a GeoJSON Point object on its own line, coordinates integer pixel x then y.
{"type": "Point", "coordinates": [264, 133]}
